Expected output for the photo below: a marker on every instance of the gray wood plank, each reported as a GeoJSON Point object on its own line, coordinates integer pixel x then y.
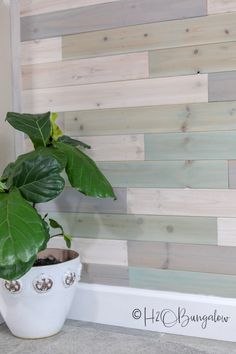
{"type": "Point", "coordinates": [191, 146]}
{"type": "Point", "coordinates": [222, 86]}
{"type": "Point", "coordinates": [167, 174]}
{"type": "Point", "coordinates": [184, 257]}
{"type": "Point", "coordinates": [73, 201]}
{"type": "Point", "coordinates": [110, 15]}
{"type": "Point", "coordinates": [105, 274]}
{"type": "Point", "coordinates": [197, 230]}
{"type": "Point", "coordinates": [232, 174]}
{"type": "Point", "coordinates": [184, 282]}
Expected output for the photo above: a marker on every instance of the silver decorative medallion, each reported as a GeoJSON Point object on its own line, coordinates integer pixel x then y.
{"type": "Point", "coordinates": [13, 286]}
{"type": "Point", "coordinates": [43, 283]}
{"type": "Point", "coordinates": [69, 278]}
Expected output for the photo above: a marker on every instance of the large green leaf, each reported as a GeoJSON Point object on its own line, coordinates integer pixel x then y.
{"type": "Point", "coordinates": [36, 126]}
{"type": "Point", "coordinates": [22, 235]}
{"type": "Point", "coordinates": [38, 179]}
{"type": "Point", "coordinates": [84, 174]}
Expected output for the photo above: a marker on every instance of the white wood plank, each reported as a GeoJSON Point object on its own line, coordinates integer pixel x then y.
{"type": "Point", "coordinates": [113, 252]}
{"type": "Point", "coordinates": [41, 51]}
{"type": "Point", "coordinates": [185, 202]}
{"type": "Point", "coordinates": [132, 93]}
{"type": "Point", "coordinates": [35, 7]}
{"type": "Point", "coordinates": [226, 231]}
{"type": "Point", "coordinates": [86, 71]}
{"type": "Point", "coordinates": [219, 6]}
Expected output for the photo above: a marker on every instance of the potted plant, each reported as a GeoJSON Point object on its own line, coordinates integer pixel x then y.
{"type": "Point", "coordinates": [38, 283]}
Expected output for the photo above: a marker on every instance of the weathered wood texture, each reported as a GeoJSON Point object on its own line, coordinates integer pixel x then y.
{"type": "Point", "coordinates": [182, 281]}
{"type": "Point", "coordinates": [196, 230]}
{"type": "Point", "coordinates": [219, 6]}
{"type": "Point", "coordinates": [222, 86]}
{"type": "Point", "coordinates": [192, 146]}
{"type": "Point", "coordinates": [185, 202]}
{"type": "Point", "coordinates": [109, 15]}
{"type": "Point", "coordinates": [105, 274]}
{"type": "Point", "coordinates": [35, 7]}
{"type": "Point", "coordinates": [195, 258]}
{"type": "Point", "coordinates": [164, 174]}
{"type": "Point", "coordinates": [156, 119]}
{"type": "Point", "coordinates": [86, 71]}
{"type": "Point", "coordinates": [135, 93]}
{"type": "Point", "coordinates": [196, 31]}
{"type": "Point", "coordinates": [41, 51]}
{"type": "Point", "coordinates": [226, 231]}
{"type": "Point", "coordinates": [207, 58]}
{"type": "Point", "coordinates": [232, 174]}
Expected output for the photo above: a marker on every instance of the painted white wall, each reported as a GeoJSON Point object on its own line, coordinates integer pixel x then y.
{"type": "Point", "coordinates": [7, 146]}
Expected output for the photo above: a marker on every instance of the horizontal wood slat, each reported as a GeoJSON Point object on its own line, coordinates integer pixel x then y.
{"type": "Point", "coordinates": [184, 257]}
{"type": "Point", "coordinates": [219, 6]}
{"type": "Point", "coordinates": [72, 201]}
{"type": "Point", "coordinates": [208, 58]}
{"type": "Point", "coordinates": [179, 33]}
{"type": "Point", "coordinates": [167, 174]}
{"type": "Point", "coordinates": [35, 7]}
{"type": "Point", "coordinates": [118, 94]}
{"type": "Point", "coordinates": [226, 231]}
{"type": "Point", "coordinates": [109, 15]}
{"type": "Point", "coordinates": [185, 202]}
{"type": "Point", "coordinates": [85, 71]}
{"type": "Point", "coordinates": [156, 119]}
{"type": "Point", "coordinates": [192, 146]}
{"type": "Point", "coordinates": [232, 174]}
{"type": "Point", "coordinates": [222, 86]}
{"type": "Point", "coordinates": [41, 51]}
{"type": "Point", "coordinates": [195, 230]}
{"type": "Point", "coordinates": [105, 274]}
{"type": "Point", "coordinates": [184, 282]}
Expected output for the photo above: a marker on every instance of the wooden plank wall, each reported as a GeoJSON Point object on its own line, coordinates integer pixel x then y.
{"type": "Point", "coordinates": [151, 85]}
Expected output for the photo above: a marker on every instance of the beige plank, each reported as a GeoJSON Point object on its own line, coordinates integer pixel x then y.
{"type": "Point", "coordinates": [86, 71]}
{"type": "Point", "coordinates": [105, 274]}
{"type": "Point", "coordinates": [219, 6]}
{"type": "Point", "coordinates": [113, 252]}
{"type": "Point", "coordinates": [226, 231]}
{"type": "Point", "coordinates": [41, 51]}
{"type": "Point", "coordinates": [36, 7]}
{"type": "Point", "coordinates": [208, 58]}
{"type": "Point", "coordinates": [184, 257]}
{"type": "Point", "coordinates": [118, 94]}
{"type": "Point", "coordinates": [181, 33]}
{"type": "Point", "coordinates": [185, 202]}
{"type": "Point", "coordinates": [158, 119]}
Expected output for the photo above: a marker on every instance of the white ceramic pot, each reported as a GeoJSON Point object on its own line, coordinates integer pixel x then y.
{"type": "Point", "coordinates": [37, 304]}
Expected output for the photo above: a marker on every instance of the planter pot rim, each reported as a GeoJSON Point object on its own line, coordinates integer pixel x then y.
{"type": "Point", "coordinates": [62, 254]}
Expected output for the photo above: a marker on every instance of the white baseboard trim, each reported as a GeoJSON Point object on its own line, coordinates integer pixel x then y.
{"type": "Point", "coordinates": [184, 314]}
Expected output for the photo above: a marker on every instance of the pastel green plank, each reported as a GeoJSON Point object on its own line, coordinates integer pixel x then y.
{"type": "Point", "coordinates": [191, 146]}
{"type": "Point", "coordinates": [209, 58]}
{"type": "Point", "coordinates": [156, 119]}
{"type": "Point", "coordinates": [184, 282]}
{"type": "Point", "coordinates": [167, 174]}
{"type": "Point", "coordinates": [195, 230]}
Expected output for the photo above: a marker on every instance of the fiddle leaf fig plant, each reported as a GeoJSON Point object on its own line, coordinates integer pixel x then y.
{"type": "Point", "coordinates": [35, 177]}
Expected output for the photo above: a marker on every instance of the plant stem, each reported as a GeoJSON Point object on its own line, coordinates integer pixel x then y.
{"type": "Point", "coordinates": [56, 235]}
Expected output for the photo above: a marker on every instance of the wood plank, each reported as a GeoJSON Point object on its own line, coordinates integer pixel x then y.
{"type": "Point", "coordinates": [219, 6]}
{"type": "Point", "coordinates": [41, 51]}
{"type": "Point", "coordinates": [192, 146]}
{"type": "Point", "coordinates": [144, 92]}
{"type": "Point", "coordinates": [184, 257]}
{"type": "Point", "coordinates": [71, 201]}
{"type": "Point", "coordinates": [184, 33]}
{"type": "Point", "coordinates": [105, 274]}
{"type": "Point", "coordinates": [197, 230]}
{"type": "Point", "coordinates": [185, 202]}
{"type": "Point", "coordinates": [207, 58]}
{"type": "Point", "coordinates": [232, 174]}
{"type": "Point", "coordinates": [36, 7]}
{"type": "Point", "coordinates": [158, 119]}
{"type": "Point", "coordinates": [226, 231]}
{"type": "Point", "coordinates": [109, 15]}
{"type": "Point", "coordinates": [167, 174]}
{"type": "Point", "coordinates": [86, 71]}
{"type": "Point", "coordinates": [222, 86]}
{"type": "Point", "coordinates": [184, 282]}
